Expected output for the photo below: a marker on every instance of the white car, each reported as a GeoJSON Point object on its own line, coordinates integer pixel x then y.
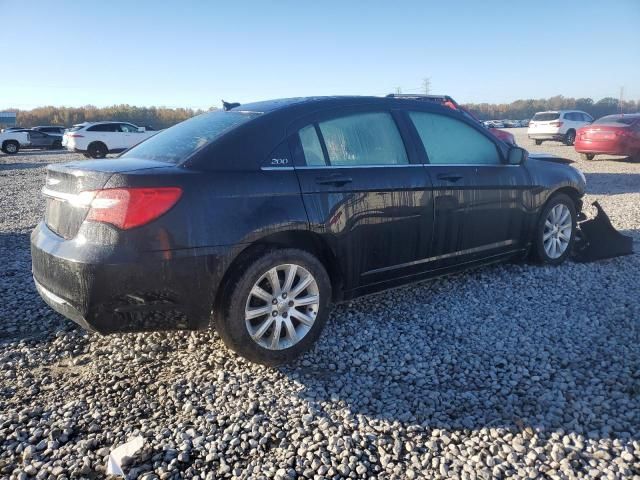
{"type": "Point", "coordinates": [560, 125]}
{"type": "Point", "coordinates": [11, 141]}
{"type": "Point", "coordinates": [97, 139]}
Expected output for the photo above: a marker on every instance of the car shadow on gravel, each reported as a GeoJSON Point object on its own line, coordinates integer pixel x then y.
{"type": "Point", "coordinates": [30, 153]}
{"type": "Point", "coordinates": [21, 166]}
{"type": "Point", "coordinates": [612, 183]}
{"type": "Point", "coordinates": [500, 369]}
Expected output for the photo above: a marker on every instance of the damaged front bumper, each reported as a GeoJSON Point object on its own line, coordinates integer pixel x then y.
{"type": "Point", "coordinates": [598, 239]}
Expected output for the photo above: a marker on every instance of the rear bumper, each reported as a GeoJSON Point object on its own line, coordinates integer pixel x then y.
{"type": "Point", "coordinates": [107, 290]}
{"type": "Point", "coordinates": [605, 147]}
{"type": "Point", "coordinates": [546, 136]}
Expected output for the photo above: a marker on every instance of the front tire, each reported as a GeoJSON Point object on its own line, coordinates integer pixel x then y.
{"type": "Point", "coordinates": [10, 147]}
{"type": "Point", "coordinates": [587, 156]}
{"type": "Point", "coordinates": [556, 230]}
{"type": "Point", "coordinates": [97, 150]}
{"type": "Point", "coordinates": [538, 142]}
{"type": "Point", "coordinates": [275, 307]}
{"type": "Point", "coordinates": [570, 138]}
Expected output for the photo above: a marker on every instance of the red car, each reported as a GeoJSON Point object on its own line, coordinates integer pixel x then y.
{"type": "Point", "coordinates": [447, 101]}
{"type": "Point", "coordinates": [613, 135]}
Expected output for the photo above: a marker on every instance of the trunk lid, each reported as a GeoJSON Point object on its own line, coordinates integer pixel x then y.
{"type": "Point", "coordinates": [544, 120]}
{"type": "Point", "coordinates": [64, 182]}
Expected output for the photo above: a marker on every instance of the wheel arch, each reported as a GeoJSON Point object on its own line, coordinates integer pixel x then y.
{"type": "Point", "coordinates": [97, 142]}
{"type": "Point", "coordinates": [10, 141]}
{"type": "Point", "coordinates": [305, 240]}
{"type": "Point", "coordinates": [572, 192]}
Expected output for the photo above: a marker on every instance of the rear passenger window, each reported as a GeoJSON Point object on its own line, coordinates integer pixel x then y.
{"type": "Point", "coordinates": [448, 141]}
{"type": "Point", "coordinates": [104, 127]}
{"type": "Point", "coordinates": [311, 146]}
{"type": "Point", "coordinates": [363, 139]}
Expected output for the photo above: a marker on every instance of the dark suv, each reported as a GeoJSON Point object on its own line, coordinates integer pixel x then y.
{"type": "Point", "coordinates": [256, 219]}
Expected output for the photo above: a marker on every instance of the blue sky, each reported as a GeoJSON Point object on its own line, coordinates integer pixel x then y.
{"type": "Point", "coordinates": [193, 53]}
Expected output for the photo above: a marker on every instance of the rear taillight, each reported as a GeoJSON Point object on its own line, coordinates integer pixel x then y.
{"type": "Point", "coordinates": [624, 132]}
{"type": "Point", "coordinates": [556, 124]}
{"type": "Point", "coordinates": [129, 207]}
{"type": "Point", "coordinates": [74, 135]}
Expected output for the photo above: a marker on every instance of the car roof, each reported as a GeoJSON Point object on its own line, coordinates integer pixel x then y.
{"type": "Point", "coordinates": [277, 119]}
{"type": "Point", "coordinates": [86, 124]}
{"type": "Point", "coordinates": [622, 115]}
{"type": "Point", "coordinates": [304, 105]}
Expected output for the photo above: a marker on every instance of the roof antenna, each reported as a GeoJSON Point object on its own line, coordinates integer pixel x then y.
{"type": "Point", "coordinates": [228, 106]}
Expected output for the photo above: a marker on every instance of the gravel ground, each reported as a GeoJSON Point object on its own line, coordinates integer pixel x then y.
{"type": "Point", "coordinates": [508, 371]}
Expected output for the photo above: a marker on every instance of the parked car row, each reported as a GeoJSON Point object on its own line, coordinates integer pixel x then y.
{"type": "Point", "coordinates": [506, 123]}
{"type": "Point", "coordinates": [93, 139]}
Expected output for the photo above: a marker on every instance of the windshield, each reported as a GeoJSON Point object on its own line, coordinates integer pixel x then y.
{"type": "Point", "coordinates": [617, 120]}
{"type": "Point", "coordinates": [176, 143]}
{"type": "Point", "coordinates": [546, 116]}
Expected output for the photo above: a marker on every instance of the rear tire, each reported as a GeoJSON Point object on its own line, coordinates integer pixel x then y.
{"type": "Point", "coordinates": [553, 241]}
{"type": "Point", "coordinates": [57, 145]}
{"type": "Point", "coordinates": [284, 329]}
{"type": "Point", "coordinates": [538, 142]}
{"type": "Point", "coordinates": [97, 150]}
{"type": "Point", "coordinates": [10, 147]}
{"type": "Point", "coordinates": [587, 156]}
{"type": "Point", "coordinates": [570, 137]}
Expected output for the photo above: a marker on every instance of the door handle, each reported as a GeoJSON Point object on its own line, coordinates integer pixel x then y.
{"type": "Point", "coordinates": [336, 180]}
{"type": "Point", "coordinates": [449, 177]}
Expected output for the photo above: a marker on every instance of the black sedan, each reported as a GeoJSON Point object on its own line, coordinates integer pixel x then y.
{"type": "Point", "coordinates": [255, 220]}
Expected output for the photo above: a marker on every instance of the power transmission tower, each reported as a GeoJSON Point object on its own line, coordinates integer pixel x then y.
{"type": "Point", "coordinates": [398, 90]}
{"type": "Point", "coordinates": [621, 100]}
{"type": "Point", "coordinates": [426, 84]}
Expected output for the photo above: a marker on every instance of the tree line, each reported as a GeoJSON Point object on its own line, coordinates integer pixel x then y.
{"type": "Point", "coordinates": [525, 109]}
{"type": "Point", "coordinates": [156, 117]}
{"type": "Point", "coordinates": [163, 117]}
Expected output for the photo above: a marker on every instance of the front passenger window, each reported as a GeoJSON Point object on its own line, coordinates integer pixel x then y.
{"type": "Point", "coordinates": [449, 141]}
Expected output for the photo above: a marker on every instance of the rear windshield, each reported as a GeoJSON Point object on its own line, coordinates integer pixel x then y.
{"type": "Point", "coordinates": [176, 143]}
{"type": "Point", "coordinates": [616, 120]}
{"type": "Point", "coordinates": [546, 117]}
{"type": "Point", "coordinates": [75, 128]}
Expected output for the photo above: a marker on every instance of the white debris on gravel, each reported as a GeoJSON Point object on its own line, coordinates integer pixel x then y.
{"type": "Point", "coordinates": [513, 371]}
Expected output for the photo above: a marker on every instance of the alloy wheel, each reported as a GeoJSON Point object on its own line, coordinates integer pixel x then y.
{"type": "Point", "coordinates": [557, 231]}
{"type": "Point", "coordinates": [282, 307]}
{"type": "Point", "coordinates": [11, 148]}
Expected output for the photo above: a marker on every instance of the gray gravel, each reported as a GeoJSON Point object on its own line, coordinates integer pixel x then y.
{"type": "Point", "coordinates": [513, 371]}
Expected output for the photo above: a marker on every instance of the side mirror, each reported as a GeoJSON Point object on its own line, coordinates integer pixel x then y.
{"type": "Point", "coordinates": [517, 156]}
{"type": "Point", "coordinates": [141, 129]}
